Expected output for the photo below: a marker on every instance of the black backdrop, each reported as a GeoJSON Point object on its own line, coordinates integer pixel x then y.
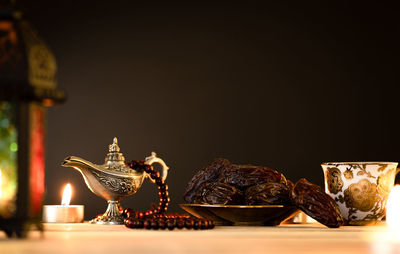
{"type": "Point", "coordinates": [286, 85]}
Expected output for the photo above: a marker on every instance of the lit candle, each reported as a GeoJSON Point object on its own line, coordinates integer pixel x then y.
{"type": "Point", "coordinates": [64, 213]}
{"type": "Point", "coordinates": [393, 210]}
{"type": "Point", "coordinates": [386, 239]}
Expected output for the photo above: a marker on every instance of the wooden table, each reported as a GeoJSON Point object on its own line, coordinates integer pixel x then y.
{"type": "Point", "coordinates": [306, 238]}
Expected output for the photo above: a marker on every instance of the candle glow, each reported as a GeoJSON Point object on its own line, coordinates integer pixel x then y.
{"type": "Point", "coordinates": [386, 240]}
{"type": "Point", "coordinates": [393, 209]}
{"type": "Point", "coordinates": [67, 193]}
{"type": "Point", "coordinates": [1, 192]}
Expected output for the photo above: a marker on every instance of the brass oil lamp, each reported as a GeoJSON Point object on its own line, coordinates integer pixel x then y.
{"type": "Point", "coordinates": [113, 180]}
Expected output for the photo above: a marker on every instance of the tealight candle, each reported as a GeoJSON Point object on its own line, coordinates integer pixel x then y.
{"type": "Point", "coordinates": [64, 213]}
{"type": "Point", "coordinates": [386, 239]}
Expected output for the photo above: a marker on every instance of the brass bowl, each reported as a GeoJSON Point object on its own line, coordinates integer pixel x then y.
{"type": "Point", "coordinates": [257, 215]}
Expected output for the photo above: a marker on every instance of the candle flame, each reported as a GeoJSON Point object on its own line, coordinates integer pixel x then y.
{"type": "Point", "coordinates": [393, 208]}
{"type": "Point", "coordinates": [66, 198]}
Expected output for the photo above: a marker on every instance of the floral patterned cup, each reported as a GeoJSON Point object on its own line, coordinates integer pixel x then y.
{"type": "Point", "coordinates": [360, 189]}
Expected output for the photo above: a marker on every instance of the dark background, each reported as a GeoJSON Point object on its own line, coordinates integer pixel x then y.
{"type": "Point", "coordinates": [287, 85]}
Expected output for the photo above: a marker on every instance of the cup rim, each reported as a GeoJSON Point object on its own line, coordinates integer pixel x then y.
{"type": "Point", "coordinates": [359, 163]}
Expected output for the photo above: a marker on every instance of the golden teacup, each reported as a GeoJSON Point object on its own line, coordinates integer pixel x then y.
{"type": "Point", "coordinates": [360, 189]}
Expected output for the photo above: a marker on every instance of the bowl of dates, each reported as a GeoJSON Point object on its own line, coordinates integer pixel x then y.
{"type": "Point", "coordinates": [233, 194]}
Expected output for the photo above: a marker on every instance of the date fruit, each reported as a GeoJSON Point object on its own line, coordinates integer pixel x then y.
{"type": "Point", "coordinates": [209, 174]}
{"type": "Point", "coordinates": [244, 176]}
{"type": "Point", "coordinates": [218, 193]}
{"type": "Point", "coordinates": [268, 194]}
{"type": "Point", "coordinates": [289, 184]}
{"type": "Point", "coordinates": [316, 203]}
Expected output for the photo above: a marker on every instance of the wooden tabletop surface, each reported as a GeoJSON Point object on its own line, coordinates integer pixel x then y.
{"type": "Point", "coordinates": [305, 238]}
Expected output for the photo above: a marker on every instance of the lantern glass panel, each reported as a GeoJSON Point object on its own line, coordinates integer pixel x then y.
{"type": "Point", "coordinates": [8, 159]}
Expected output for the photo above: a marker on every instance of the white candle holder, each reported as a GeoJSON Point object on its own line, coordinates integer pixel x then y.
{"type": "Point", "coordinates": [63, 213]}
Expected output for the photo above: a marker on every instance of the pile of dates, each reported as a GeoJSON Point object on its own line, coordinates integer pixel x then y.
{"type": "Point", "coordinates": [225, 183]}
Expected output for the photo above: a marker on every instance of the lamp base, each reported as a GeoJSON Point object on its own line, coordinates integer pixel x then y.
{"type": "Point", "coordinates": [112, 216]}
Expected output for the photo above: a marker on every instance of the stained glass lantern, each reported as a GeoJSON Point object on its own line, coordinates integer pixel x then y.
{"type": "Point", "coordinates": [27, 87]}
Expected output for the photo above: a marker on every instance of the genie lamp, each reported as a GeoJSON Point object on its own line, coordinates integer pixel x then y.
{"type": "Point", "coordinates": [113, 180]}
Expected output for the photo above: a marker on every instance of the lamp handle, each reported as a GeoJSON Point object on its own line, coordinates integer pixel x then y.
{"type": "Point", "coordinates": [154, 159]}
